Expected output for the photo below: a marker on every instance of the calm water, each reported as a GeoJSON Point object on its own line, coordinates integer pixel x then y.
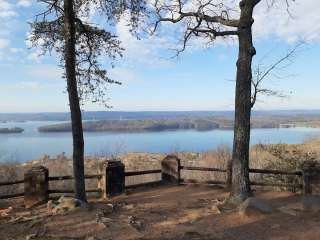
{"type": "Point", "coordinates": [31, 144]}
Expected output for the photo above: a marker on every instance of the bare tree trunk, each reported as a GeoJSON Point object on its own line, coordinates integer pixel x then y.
{"type": "Point", "coordinates": [76, 120]}
{"type": "Point", "coordinates": [240, 155]}
{"type": "Point", "coordinates": [229, 174]}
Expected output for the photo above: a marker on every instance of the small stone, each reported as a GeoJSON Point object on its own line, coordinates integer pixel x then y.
{"type": "Point", "coordinates": [129, 207]}
{"type": "Point", "coordinates": [275, 226]}
{"type": "Point", "coordinates": [31, 236]}
{"type": "Point", "coordinates": [106, 220]}
{"type": "Point", "coordinates": [66, 204]}
{"type": "Point", "coordinates": [215, 209]}
{"type": "Point", "coordinates": [107, 209]}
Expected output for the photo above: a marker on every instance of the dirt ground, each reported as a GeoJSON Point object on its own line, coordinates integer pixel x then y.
{"type": "Point", "coordinates": [165, 212]}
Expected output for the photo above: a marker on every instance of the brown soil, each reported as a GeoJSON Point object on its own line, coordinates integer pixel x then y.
{"type": "Point", "coordinates": [184, 212]}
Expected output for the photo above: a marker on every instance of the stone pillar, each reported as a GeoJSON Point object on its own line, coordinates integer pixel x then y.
{"type": "Point", "coordinates": [36, 186]}
{"type": "Point", "coordinates": [170, 166]}
{"type": "Point", "coordinates": [112, 181]}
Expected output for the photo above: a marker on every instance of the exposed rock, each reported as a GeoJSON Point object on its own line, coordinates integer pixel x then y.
{"type": "Point", "coordinates": [106, 210]}
{"type": "Point", "coordinates": [311, 203]}
{"type": "Point", "coordinates": [254, 206]}
{"type": "Point", "coordinates": [289, 211]}
{"type": "Point", "coordinates": [65, 204]}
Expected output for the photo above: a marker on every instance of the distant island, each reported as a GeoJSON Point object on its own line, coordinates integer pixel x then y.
{"type": "Point", "coordinates": [199, 123]}
{"type": "Point", "coordinates": [150, 125]}
{"type": "Point", "coordinates": [158, 125]}
{"type": "Point", "coordinates": [11, 130]}
{"type": "Point", "coordinates": [166, 121]}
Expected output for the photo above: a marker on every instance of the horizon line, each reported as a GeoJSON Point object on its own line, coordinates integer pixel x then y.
{"type": "Point", "coordinates": [158, 111]}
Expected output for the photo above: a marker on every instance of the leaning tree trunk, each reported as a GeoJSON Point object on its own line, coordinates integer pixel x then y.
{"type": "Point", "coordinates": [240, 156]}
{"type": "Point", "coordinates": [77, 132]}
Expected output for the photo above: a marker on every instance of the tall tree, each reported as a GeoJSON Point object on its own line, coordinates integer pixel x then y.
{"type": "Point", "coordinates": [64, 27]}
{"type": "Point", "coordinates": [74, 103]}
{"type": "Point", "coordinates": [210, 19]}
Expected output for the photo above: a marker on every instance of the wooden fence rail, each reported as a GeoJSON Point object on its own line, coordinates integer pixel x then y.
{"type": "Point", "coordinates": [113, 177]}
{"type": "Point", "coordinates": [252, 170]}
{"type": "Point", "coordinates": [206, 169]}
{"type": "Point", "coordinates": [11, 183]}
{"type": "Point", "coordinates": [266, 184]}
{"type": "Point", "coordinates": [95, 190]}
{"type": "Point", "coordinates": [144, 172]}
{"type": "Point", "coordinates": [14, 195]}
{"type": "Point", "coordinates": [68, 177]}
{"type": "Point", "coordinates": [276, 172]}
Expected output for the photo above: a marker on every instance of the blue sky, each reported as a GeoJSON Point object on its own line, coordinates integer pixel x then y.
{"type": "Point", "coordinates": [199, 79]}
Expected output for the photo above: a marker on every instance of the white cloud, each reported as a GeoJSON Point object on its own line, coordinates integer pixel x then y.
{"type": "Point", "coordinates": [124, 75]}
{"type": "Point", "coordinates": [44, 71]}
{"type": "Point", "coordinates": [29, 85]}
{"type": "Point", "coordinates": [145, 50]}
{"type": "Point", "coordinates": [301, 23]}
{"type": "Point", "coordinates": [24, 3]}
{"type": "Point", "coordinates": [6, 9]}
{"type": "Point", "coordinates": [4, 43]}
{"type": "Point", "coordinates": [22, 85]}
{"type": "Point", "coordinates": [16, 50]}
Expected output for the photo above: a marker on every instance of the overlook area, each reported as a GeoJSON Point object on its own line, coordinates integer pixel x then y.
{"type": "Point", "coordinates": [184, 212]}
{"type": "Point", "coordinates": [163, 120]}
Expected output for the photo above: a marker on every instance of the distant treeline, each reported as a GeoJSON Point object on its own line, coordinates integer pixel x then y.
{"type": "Point", "coordinates": [116, 115]}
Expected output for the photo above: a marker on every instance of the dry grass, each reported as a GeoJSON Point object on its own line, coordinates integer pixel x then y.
{"type": "Point", "coordinates": [276, 156]}
{"type": "Point", "coordinates": [216, 159]}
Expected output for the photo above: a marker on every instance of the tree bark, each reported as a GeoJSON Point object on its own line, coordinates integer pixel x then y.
{"type": "Point", "coordinates": [240, 156]}
{"type": "Point", "coordinates": [76, 119]}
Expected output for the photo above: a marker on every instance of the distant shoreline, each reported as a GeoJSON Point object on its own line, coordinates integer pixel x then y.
{"type": "Point", "coordinates": [136, 115]}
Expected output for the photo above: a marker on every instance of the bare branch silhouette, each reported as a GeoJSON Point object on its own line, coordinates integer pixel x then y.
{"type": "Point", "coordinates": [260, 74]}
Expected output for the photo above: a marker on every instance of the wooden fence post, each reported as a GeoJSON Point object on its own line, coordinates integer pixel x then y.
{"type": "Point", "coordinates": [36, 184]}
{"type": "Point", "coordinates": [310, 174]}
{"type": "Point", "coordinates": [112, 181]}
{"type": "Point", "coordinates": [170, 169]}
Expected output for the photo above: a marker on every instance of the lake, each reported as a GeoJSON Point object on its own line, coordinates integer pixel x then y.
{"type": "Point", "coordinates": [31, 145]}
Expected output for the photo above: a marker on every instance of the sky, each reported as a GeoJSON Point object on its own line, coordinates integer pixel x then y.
{"type": "Point", "coordinates": [201, 78]}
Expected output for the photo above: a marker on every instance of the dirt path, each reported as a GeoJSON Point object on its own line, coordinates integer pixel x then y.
{"type": "Point", "coordinates": [184, 212]}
